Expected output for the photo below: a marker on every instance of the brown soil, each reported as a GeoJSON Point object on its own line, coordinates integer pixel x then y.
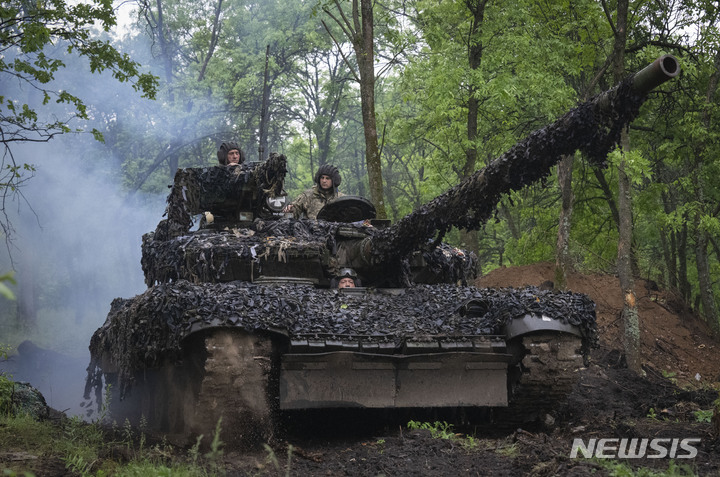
{"type": "Point", "coordinates": [682, 370]}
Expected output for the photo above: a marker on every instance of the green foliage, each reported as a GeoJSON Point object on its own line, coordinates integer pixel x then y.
{"type": "Point", "coordinates": [25, 432]}
{"type": "Point", "coordinates": [6, 389]}
{"type": "Point", "coordinates": [5, 351]}
{"type": "Point", "coordinates": [703, 415]}
{"type": "Point", "coordinates": [438, 430]}
{"type": "Point", "coordinates": [443, 430]}
{"type": "Point", "coordinates": [670, 376]}
{"type": "Point", "coordinates": [216, 453]}
{"type": "Point", "coordinates": [509, 450]}
{"type": "Point", "coordinates": [79, 444]}
{"type": "Point", "coordinates": [27, 34]}
{"type": "Point", "coordinates": [618, 468]}
{"type": "Point", "coordinates": [5, 290]}
{"type": "Point", "coordinates": [273, 459]}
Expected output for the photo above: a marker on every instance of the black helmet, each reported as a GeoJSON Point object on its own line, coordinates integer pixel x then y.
{"type": "Point", "coordinates": [227, 147]}
{"type": "Point", "coordinates": [345, 272]}
{"type": "Point", "coordinates": [330, 171]}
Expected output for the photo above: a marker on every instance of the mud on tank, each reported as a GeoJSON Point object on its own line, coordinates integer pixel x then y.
{"type": "Point", "coordinates": [239, 323]}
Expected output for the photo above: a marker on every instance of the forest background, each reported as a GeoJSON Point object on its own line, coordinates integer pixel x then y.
{"type": "Point", "coordinates": [90, 147]}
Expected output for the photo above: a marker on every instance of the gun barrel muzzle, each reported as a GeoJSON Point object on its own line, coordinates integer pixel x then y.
{"type": "Point", "coordinates": [656, 73]}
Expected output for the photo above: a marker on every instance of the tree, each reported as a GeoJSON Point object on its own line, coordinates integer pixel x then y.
{"type": "Point", "coordinates": [631, 336]}
{"type": "Point", "coordinates": [28, 31]}
{"type": "Point", "coordinates": [358, 29]}
{"type": "Point", "coordinates": [706, 217]}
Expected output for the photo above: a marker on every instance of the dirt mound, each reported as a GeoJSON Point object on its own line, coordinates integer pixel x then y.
{"type": "Point", "coordinates": [674, 342]}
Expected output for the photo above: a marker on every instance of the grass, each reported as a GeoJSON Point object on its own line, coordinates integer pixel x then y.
{"type": "Point", "coordinates": [438, 430]}
{"type": "Point", "coordinates": [622, 469]}
{"type": "Point", "coordinates": [443, 430]}
{"type": "Point", "coordinates": [86, 449]}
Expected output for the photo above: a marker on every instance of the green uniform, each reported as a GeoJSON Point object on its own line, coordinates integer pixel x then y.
{"type": "Point", "coordinates": [311, 201]}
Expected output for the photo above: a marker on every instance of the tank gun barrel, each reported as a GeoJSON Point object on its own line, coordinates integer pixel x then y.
{"type": "Point", "coordinates": [593, 127]}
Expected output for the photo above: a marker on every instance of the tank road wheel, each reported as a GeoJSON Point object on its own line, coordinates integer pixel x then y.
{"type": "Point", "coordinates": [237, 386]}
{"type": "Point", "coordinates": [543, 378]}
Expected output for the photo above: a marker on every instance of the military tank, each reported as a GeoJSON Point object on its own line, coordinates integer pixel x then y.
{"type": "Point", "coordinates": [240, 323]}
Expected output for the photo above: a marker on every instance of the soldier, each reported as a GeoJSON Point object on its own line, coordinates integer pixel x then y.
{"type": "Point", "coordinates": [230, 154]}
{"type": "Point", "coordinates": [309, 203]}
{"type": "Point", "coordinates": [347, 278]}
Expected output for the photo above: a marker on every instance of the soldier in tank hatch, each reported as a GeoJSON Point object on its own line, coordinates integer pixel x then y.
{"type": "Point", "coordinates": [309, 203]}
{"type": "Point", "coordinates": [230, 154]}
{"type": "Point", "coordinates": [346, 278]}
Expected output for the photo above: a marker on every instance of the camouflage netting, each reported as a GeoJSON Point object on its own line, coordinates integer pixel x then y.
{"type": "Point", "coordinates": [593, 128]}
{"type": "Point", "coordinates": [19, 398]}
{"type": "Point", "coordinates": [145, 331]}
{"type": "Point", "coordinates": [197, 190]}
{"type": "Point", "coordinates": [454, 265]}
{"type": "Point", "coordinates": [204, 256]}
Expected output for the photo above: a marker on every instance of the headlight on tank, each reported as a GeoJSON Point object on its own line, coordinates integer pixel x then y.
{"type": "Point", "coordinates": [276, 204]}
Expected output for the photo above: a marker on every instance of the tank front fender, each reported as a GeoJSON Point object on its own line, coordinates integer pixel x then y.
{"type": "Point", "coordinates": [531, 323]}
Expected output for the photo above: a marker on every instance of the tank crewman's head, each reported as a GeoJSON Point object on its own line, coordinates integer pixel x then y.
{"type": "Point", "coordinates": [230, 154]}
{"type": "Point", "coordinates": [328, 177]}
{"type": "Point", "coordinates": [347, 278]}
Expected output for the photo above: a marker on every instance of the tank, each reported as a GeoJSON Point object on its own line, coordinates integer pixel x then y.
{"type": "Point", "coordinates": [241, 321]}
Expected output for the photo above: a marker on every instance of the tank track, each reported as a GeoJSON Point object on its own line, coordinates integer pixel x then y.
{"type": "Point", "coordinates": [543, 378]}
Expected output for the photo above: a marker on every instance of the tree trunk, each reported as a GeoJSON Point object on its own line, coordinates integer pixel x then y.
{"type": "Point", "coordinates": [213, 40]}
{"type": "Point", "coordinates": [631, 338]}
{"type": "Point", "coordinates": [469, 238]}
{"type": "Point", "coordinates": [323, 130]}
{"type": "Point", "coordinates": [605, 187]}
{"type": "Point", "coordinates": [667, 239]}
{"type": "Point", "coordinates": [364, 52]}
{"type": "Point", "coordinates": [701, 242]}
{"type": "Point", "coordinates": [683, 262]}
{"type": "Point", "coordinates": [263, 127]}
{"type": "Point", "coordinates": [667, 257]}
{"type": "Point", "coordinates": [360, 32]}
{"type": "Point", "coordinates": [703, 268]}
{"type": "Point", "coordinates": [510, 220]}
{"type": "Point", "coordinates": [563, 261]}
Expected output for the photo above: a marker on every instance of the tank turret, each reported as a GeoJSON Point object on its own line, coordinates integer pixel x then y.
{"type": "Point", "coordinates": [239, 320]}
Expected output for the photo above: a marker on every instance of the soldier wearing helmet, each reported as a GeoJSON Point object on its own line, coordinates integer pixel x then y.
{"type": "Point", "coordinates": [230, 154]}
{"type": "Point", "coordinates": [309, 203]}
{"type": "Point", "coordinates": [346, 278]}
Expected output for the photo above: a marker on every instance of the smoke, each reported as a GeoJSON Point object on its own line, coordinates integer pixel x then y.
{"type": "Point", "coordinates": [76, 246]}
{"type": "Point", "coordinates": [77, 233]}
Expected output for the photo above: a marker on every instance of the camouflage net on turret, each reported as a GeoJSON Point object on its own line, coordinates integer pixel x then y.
{"type": "Point", "coordinates": [197, 190]}
{"type": "Point", "coordinates": [145, 331]}
{"type": "Point", "coordinates": [205, 256]}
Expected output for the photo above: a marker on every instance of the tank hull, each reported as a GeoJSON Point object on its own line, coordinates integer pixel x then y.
{"type": "Point", "coordinates": [239, 384]}
{"type": "Point", "coordinates": [186, 358]}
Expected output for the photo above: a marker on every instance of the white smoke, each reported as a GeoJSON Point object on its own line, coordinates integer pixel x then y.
{"type": "Point", "coordinates": [76, 247]}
